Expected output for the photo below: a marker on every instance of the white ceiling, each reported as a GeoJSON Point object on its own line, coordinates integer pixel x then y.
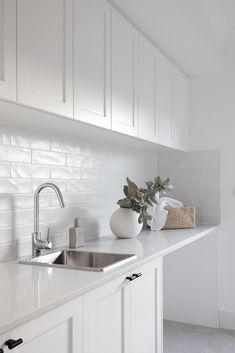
{"type": "Point", "coordinates": [189, 32]}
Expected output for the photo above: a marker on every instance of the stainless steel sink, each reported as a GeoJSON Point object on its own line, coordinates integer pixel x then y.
{"type": "Point", "coordinates": [82, 260]}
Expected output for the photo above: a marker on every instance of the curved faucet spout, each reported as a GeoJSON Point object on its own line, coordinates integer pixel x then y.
{"type": "Point", "coordinates": [39, 244]}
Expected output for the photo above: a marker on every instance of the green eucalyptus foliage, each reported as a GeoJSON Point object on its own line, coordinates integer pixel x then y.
{"type": "Point", "coordinates": [159, 185]}
{"type": "Point", "coordinates": [140, 199]}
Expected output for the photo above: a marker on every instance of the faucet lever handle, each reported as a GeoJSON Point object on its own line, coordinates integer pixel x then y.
{"type": "Point", "coordinates": [48, 234]}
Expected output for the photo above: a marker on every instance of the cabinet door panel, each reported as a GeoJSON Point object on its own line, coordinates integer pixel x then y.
{"type": "Point", "coordinates": [45, 54]}
{"type": "Point", "coordinates": [59, 330]}
{"type": "Point", "coordinates": [8, 49]}
{"type": "Point", "coordinates": [164, 122]}
{"type": "Point", "coordinates": [106, 318]}
{"type": "Point", "coordinates": [124, 75]}
{"type": "Point", "coordinates": [92, 62]}
{"type": "Point", "coordinates": [147, 92]}
{"type": "Point", "coordinates": [146, 309]}
{"type": "Point", "coordinates": [180, 130]}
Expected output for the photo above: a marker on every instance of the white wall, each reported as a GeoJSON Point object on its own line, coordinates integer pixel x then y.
{"type": "Point", "coordinates": [91, 178]}
{"type": "Point", "coordinates": [212, 126]}
{"type": "Point", "coordinates": [190, 274]}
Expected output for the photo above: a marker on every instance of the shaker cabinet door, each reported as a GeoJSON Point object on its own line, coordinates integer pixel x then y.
{"type": "Point", "coordinates": [164, 121]}
{"type": "Point", "coordinates": [124, 75]}
{"type": "Point", "coordinates": [8, 49]}
{"type": "Point", "coordinates": [45, 55]}
{"type": "Point", "coordinates": [106, 318]}
{"type": "Point", "coordinates": [147, 90]}
{"type": "Point", "coordinates": [146, 309]}
{"type": "Point", "coordinates": [92, 62]}
{"type": "Point", "coordinates": [59, 330]}
{"type": "Point", "coordinates": [180, 116]}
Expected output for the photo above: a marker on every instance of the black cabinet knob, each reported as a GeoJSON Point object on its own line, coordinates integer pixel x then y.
{"type": "Point", "coordinates": [13, 343]}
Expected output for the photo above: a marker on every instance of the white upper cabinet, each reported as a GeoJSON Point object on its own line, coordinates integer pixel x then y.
{"type": "Point", "coordinates": [92, 62]}
{"type": "Point", "coordinates": [147, 90]}
{"type": "Point", "coordinates": [164, 121]}
{"type": "Point", "coordinates": [45, 55]}
{"type": "Point", "coordinates": [124, 75]}
{"type": "Point", "coordinates": [8, 49]}
{"type": "Point", "coordinates": [180, 115]}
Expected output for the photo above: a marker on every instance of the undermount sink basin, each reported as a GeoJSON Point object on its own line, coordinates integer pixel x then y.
{"type": "Point", "coordinates": [81, 260]}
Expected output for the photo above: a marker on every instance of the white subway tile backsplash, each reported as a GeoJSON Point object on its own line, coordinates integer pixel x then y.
{"type": "Point", "coordinates": [51, 158]}
{"type": "Point", "coordinates": [4, 170]}
{"type": "Point", "coordinates": [90, 176]}
{"type": "Point", "coordinates": [26, 171]}
{"type": "Point", "coordinates": [14, 154]}
{"type": "Point", "coordinates": [15, 186]}
{"type": "Point", "coordinates": [74, 160]}
{"type": "Point", "coordinates": [65, 173]}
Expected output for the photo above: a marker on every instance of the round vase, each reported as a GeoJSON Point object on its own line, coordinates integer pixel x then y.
{"type": "Point", "coordinates": [124, 223]}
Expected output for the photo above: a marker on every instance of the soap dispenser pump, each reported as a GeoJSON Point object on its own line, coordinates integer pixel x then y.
{"type": "Point", "coordinates": [76, 235]}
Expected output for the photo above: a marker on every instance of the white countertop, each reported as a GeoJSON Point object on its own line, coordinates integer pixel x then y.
{"type": "Point", "coordinates": [28, 290]}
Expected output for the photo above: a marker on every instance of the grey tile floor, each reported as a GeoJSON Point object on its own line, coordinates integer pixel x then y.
{"type": "Point", "coordinates": [184, 338]}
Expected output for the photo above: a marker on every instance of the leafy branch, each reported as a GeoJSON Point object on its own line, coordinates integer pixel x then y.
{"type": "Point", "coordinates": [140, 199]}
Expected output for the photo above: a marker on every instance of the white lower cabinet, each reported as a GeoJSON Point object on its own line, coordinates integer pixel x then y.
{"type": "Point", "coordinates": [106, 319]}
{"type": "Point", "coordinates": [123, 315]}
{"type": "Point", "coordinates": [59, 330]}
{"type": "Point", "coordinates": [126, 315]}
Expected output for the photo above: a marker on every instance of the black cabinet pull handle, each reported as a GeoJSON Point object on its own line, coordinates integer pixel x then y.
{"type": "Point", "coordinates": [137, 275]}
{"type": "Point", "coordinates": [134, 276]}
{"type": "Point", "coordinates": [131, 278]}
{"type": "Point", "coordinates": [13, 343]}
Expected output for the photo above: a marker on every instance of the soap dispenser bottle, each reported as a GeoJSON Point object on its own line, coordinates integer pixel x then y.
{"type": "Point", "coordinates": [76, 235]}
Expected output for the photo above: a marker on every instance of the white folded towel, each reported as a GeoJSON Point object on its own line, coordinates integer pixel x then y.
{"type": "Point", "coordinates": [159, 214]}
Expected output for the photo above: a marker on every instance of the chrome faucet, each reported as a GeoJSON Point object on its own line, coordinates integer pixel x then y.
{"type": "Point", "coordinates": [37, 243]}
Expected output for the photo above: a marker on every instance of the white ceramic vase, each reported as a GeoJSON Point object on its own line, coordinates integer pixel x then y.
{"type": "Point", "coordinates": [124, 223]}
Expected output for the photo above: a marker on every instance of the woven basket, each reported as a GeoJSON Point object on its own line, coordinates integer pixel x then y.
{"type": "Point", "coordinates": [180, 217]}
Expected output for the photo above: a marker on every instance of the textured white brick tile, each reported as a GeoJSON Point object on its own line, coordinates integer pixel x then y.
{"type": "Point", "coordinates": [92, 173]}
{"type": "Point", "coordinates": [30, 142]}
{"type": "Point", "coordinates": [93, 197]}
{"type": "Point", "coordinates": [26, 201]}
{"type": "Point", "coordinates": [69, 199]}
{"type": "Point", "coordinates": [40, 171]}
{"type": "Point", "coordinates": [21, 170]}
{"type": "Point", "coordinates": [65, 173]}
{"type": "Point", "coordinates": [14, 250]}
{"type": "Point", "coordinates": [64, 147]}
{"type": "Point", "coordinates": [6, 202]}
{"type": "Point", "coordinates": [5, 139]}
{"type": "Point", "coordinates": [4, 170]}
{"type": "Point", "coordinates": [15, 186]}
{"type": "Point", "coordinates": [22, 217]}
{"type": "Point", "coordinates": [6, 219]}
{"type": "Point", "coordinates": [79, 161]}
{"type": "Point", "coordinates": [14, 154]}
{"type": "Point", "coordinates": [79, 185]}
{"type": "Point", "coordinates": [6, 235]}
{"type": "Point", "coordinates": [51, 158]}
